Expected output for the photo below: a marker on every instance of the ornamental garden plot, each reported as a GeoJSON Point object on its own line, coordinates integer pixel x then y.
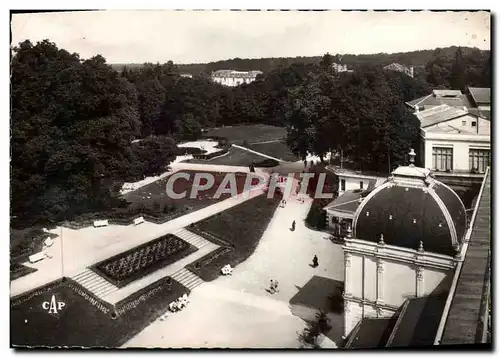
{"type": "Point", "coordinates": [85, 320]}
{"type": "Point", "coordinates": [140, 261]}
{"type": "Point", "coordinates": [237, 230]}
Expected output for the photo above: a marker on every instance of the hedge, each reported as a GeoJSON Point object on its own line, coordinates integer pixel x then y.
{"type": "Point", "coordinates": [266, 163]}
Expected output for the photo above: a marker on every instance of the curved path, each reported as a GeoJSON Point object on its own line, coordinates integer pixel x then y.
{"type": "Point", "coordinates": [236, 311]}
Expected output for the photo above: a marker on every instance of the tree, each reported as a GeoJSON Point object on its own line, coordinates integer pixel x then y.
{"type": "Point", "coordinates": [72, 122]}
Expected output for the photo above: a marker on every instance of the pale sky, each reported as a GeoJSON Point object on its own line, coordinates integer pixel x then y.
{"type": "Point", "coordinates": [205, 36]}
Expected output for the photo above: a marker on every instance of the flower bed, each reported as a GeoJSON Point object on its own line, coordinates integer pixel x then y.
{"type": "Point", "coordinates": [82, 322]}
{"type": "Point", "coordinates": [143, 259]}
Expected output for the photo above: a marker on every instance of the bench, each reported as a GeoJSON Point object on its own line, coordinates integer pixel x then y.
{"type": "Point", "coordinates": [48, 242]}
{"type": "Point", "coordinates": [138, 220]}
{"type": "Point", "coordinates": [36, 257]}
{"type": "Point", "coordinates": [101, 223]}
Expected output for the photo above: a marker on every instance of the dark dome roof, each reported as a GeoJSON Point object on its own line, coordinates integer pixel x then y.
{"type": "Point", "coordinates": [412, 207]}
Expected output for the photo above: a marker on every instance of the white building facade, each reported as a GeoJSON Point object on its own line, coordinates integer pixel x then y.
{"type": "Point", "coordinates": [454, 141]}
{"type": "Point", "coordinates": [351, 180]}
{"type": "Point", "coordinates": [234, 78]}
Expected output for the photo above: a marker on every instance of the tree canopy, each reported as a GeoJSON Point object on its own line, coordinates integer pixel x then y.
{"type": "Point", "coordinates": [74, 121]}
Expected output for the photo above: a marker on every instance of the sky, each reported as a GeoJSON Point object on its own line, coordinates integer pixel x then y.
{"type": "Point", "coordinates": [123, 36]}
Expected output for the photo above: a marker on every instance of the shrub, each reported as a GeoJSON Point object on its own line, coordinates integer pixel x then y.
{"type": "Point", "coordinates": [320, 325]}
{"type": "Point", "coordinates": [316, 218]}
{"type": "Point", "coordinates": [266, 163]}
{"type": "Point", "coordinates": [189, 150]}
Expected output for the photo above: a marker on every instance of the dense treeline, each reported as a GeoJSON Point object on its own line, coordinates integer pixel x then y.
{"type": "Point", "coordinates": [361, 115]}
{"type": "Point", "coordinates": [74, 121]}
{"type": "Point", "coordinates": [419, 59]}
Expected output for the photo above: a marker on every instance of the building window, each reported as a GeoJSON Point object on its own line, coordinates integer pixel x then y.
{"type": "Point", "coordinates": [479, 159]}
{"type": "Point", "coordinates": [342, 184]}
{"type": "Point", "coordinates": [361, 185]}
{"type": "Point", "coordinates": [464, 123]}
{"type": "Point", "coordinates": [442, 158]}
{"type": "Point", "coordinates": [474, 123]}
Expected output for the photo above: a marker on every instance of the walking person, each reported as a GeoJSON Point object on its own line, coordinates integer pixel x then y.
{"type": "Point", "coordinates": [271, 287]}
{"type": "Point", "coordinates": [293, 225]}
{"type": "Point", "coordinates": [276, 289]}
{"type": "Point", "coordinates": [315, 261]}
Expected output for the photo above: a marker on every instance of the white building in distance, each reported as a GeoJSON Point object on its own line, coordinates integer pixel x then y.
{"type": "Point", "coordinates": [234, 78]}
{"type": "Point", "coordinates": [340, 68]}
{"type": "Point", "coordinates": [400, 68]}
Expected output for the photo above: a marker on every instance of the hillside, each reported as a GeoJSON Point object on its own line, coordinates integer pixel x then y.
{"type": "Point", "coordinates": [414, 58]}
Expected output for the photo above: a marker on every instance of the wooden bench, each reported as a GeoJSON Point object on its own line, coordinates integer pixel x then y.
{"type": "Point", "coordinates": [101, 223]}
{"type": "Point", "coordinates": [138, 220]}
{"type": "Point", "coordinates": [36, 257]}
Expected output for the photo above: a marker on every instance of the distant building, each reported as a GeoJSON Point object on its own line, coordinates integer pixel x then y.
{"type": "Point", "coordinates": [340, 68]}
{"type": "Point", "coordinates": [187, 75]}
{"type": "Point", "coordinates": [400, 68]}
{"type": "Point", "coordinates": [234, 78]}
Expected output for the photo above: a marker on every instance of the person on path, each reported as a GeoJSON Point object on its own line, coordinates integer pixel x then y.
{"type": "Point", "coordinates": [315, 261]}
{"type": "Point", "coordinates": [293, 225]}
{"type": "Point", "coordinates": [271, 288]}
{"type": "Point", "coordinates": [276, 289]}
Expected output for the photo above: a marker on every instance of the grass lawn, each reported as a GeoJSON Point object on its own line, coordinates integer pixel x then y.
{"type": "Point", "coordinates": [81, 323]}
{"type": "Point", "coordinates": [277, 150]}
{"type": "Point", "coordinates": [26, 242]}
{"type": "Point", "coordinates": [241, 227]}
{"type": "Point", "coordinates": [154, 195]}
{"type": "Point", "coordinates": [18, 270]}
{"type": "Point", "coordinates": [140, 261]}
{"type": "Point", "coordinates": [250, 133]}
{"type": "Point", "coordinates": [236, 157]}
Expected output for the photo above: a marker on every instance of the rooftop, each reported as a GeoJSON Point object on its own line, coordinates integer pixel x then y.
{"type": "Point", "coordinates": [465, 318]}
{"type": "Point", "coordinates": [439, 114]}
{"type": "Point", "coordinates": [236, 74]}
{"type": "Point", "coordinates": [452, 98]}
{"type": "Point", "coordinates": [371, 333]}
{"type": "Point", "coordinates": [347, 202]}
{"type": "Point", "coordinates": [412, 209]}
{"type": "Point", "coordinates": [418, 322]}
{"type": "Point", "coordinates": [480, 95]}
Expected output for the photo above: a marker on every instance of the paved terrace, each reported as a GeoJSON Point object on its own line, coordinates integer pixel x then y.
{"type": "Point", "coordinates": [74, 250]}
{"type": "Point", "coordinates": [466, 320]}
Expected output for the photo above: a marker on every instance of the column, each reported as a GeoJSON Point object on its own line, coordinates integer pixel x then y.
{"type": "Point", "coordinates": [348, 324]}
{"type": "Point", "coordinates": [420, 281]}
{"type": "Point", "coordinates": [380, 281]}
{"type": "Point", "coordinates": [347, 275]}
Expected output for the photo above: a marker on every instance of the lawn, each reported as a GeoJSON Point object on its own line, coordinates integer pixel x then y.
{"type": "Point", "coordinates": [277, 150]}
{"type": "Point", "coordinates": [140, 261]}
{"type": "Point", "coordinates": [82, 323]}
{"type": "Point", "coordinates": [241, 227]}
{"type": "Point", "coordinates": [155, 196]}
{"type": "Point", "coordinates": [249, 133]}
{"type": "Point", "coordinates": [236, 157]}
{"type": "Point", "coordinates": [17, 270]}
